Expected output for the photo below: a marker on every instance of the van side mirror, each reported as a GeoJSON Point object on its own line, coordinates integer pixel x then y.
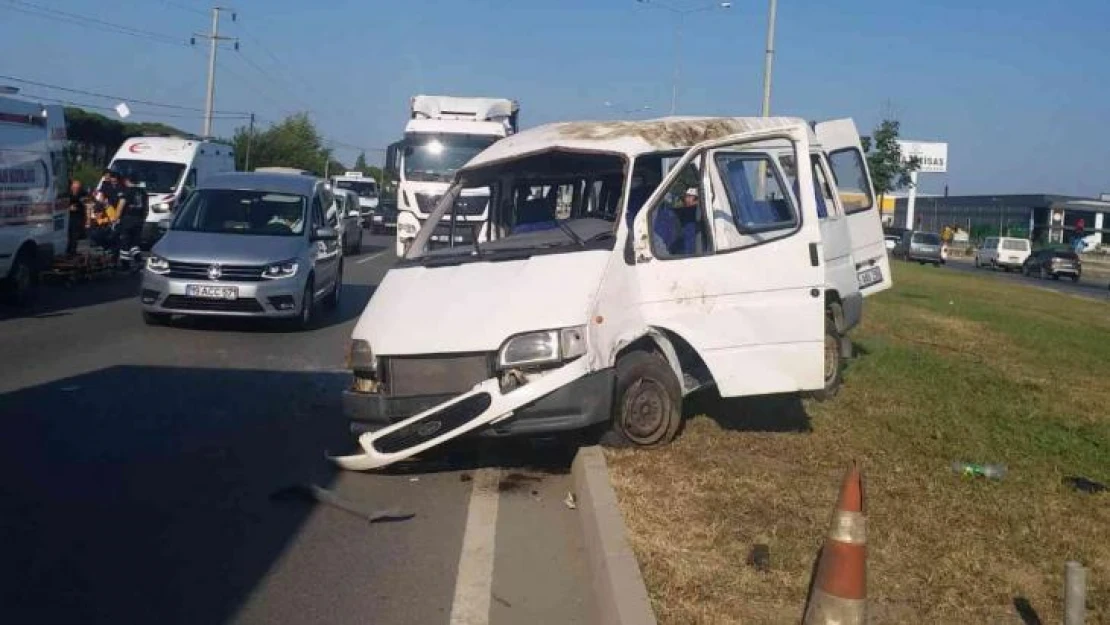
{"type": "Point", "coordinates": [325, 234]}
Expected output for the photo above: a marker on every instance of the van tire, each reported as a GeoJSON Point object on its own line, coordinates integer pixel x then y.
{"type": "Point", "coordinates": [331, 302]}
{"type": "Point", "coordinates": [834, 362]}
{"type": "Point", "coordinates": [305, 318]}
{"type": "Point", "coordinates": [21, 284]}
{"type": "Point", "coordinates": [647, 403]}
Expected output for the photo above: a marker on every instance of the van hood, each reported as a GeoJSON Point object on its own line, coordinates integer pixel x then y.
{"type": "Point", "coordinates": [475, 306]}
{"type": "Point", "coordinates": [229, 249]}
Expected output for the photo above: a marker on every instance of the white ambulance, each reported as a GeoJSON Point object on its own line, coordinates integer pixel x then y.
{"type": "Point", "coordinates": [33, 188]}
{"type": "Point", "coordinates": [168, 167]}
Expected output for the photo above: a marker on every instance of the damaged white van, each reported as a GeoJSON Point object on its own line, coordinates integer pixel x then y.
{"type": "Point", "coordinates": [627, 265]}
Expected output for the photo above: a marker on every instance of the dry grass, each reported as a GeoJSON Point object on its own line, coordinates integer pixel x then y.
{"type": "Point", "coordinates": [953, 367]}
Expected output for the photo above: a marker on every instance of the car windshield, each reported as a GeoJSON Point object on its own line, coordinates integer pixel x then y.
{"type": "Point", "coordinates": [549, 203]}
{"type": "Point", "coordinates": [926, 238]}
{"type": "Point", "coordinates": [156, 176]}
{"type": "Point", "coordinates": [363, 189]}
{"type": "Point", "coordinates": [230, 211]}
{"type": "Point", "coordinates": [437, 158]}
{"type": "Point", "coordinates": [1015, 245]}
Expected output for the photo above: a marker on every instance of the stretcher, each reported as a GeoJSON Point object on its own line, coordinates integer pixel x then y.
{"type": "Point", "coordinates": [80, 267]}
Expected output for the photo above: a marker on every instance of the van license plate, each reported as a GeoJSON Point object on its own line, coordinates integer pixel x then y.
{"type": "Point", "coordinates": [212, 292]}
{"type": "Point", "coordinates": [870, 277]}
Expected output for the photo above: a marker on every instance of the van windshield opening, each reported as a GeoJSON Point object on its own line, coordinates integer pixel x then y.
{"type": "Point", "coordinates": [436, 158]}
{"type": "Point", "coordinates": [156, 176]}
{"type": "Point", "coordinates": [363, 189]}
{"type": "Point", "coordinates": [229, 211]}
{"type": "Point", "coordinates": [926, 238]}
{"type": "Point", "coordinates": [547, 203]}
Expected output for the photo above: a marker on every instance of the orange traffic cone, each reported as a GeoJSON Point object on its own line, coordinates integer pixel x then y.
{"type": "Point", "coordinates": [839, 593]}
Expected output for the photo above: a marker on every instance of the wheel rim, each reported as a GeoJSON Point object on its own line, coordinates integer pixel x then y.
{"type": "Point", "coordinates": [644, 418]}
{"type": "Point", "coordinates": [832, 358]}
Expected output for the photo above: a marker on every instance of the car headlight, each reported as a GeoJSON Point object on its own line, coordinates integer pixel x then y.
{"type": "Point", "coordinates": [157, 264]}
{"type": "Point", "coordinates": [408, 230]}
{"type": "Point", "coordinates": [284, 269]}
{"type": "Point", "coordinates": [546, 347]}
{"type": "Point", "coordinates": [162, 207]}
{"type": "Point", "coordinates": [360, 357]}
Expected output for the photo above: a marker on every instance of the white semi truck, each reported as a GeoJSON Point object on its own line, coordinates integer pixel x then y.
{"type": "Point", "coordinates": [443, 134]}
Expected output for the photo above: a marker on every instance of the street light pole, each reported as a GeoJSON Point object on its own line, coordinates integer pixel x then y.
{"type": "Point", "coordinates": [680, 15]}
{"type": "Point", "coordinates": [768, 59]}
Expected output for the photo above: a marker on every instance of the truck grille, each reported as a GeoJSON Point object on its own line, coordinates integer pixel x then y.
{"type": "Point", "coordinates": [435, 424]}
{"type": "Point", "coordinates": [466, 205]}
{"type": "Point", "coordinates": [228, 273]}
{"type": "Point", "coordinates": [411, 376]}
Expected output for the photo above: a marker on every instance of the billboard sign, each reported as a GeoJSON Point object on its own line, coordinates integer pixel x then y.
{"type": "Point", "coordinates": [932, 157]}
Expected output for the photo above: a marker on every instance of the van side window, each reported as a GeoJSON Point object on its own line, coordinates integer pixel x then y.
{"type": "Point", "coordinates": [317, 213]}
{"type": "Point", "coordinates": [851, 180]}
{"type": "Point", "coordinates": [823, 194]}
{"type": "Point", "coordinates": [757, 197]}
{"type": "Point", "coordinates": [678, 223]}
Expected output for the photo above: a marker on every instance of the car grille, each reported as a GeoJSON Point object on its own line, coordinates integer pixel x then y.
{"type": "Point", "coordinates": [442, 237]}
{"type": "Point", "coordinates": [410, 376]}
{"type": "Point", "coordinates": [435, 424]}
{"type": "Point", "coordinates": [243, 304]}
{"type": "Point", "coordinates": [465, 205]}
{"type": "Point", "coordinates": [228, 273]}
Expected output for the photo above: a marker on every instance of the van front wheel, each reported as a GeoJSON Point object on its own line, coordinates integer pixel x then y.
{"type": "Point", "coordinates": [647, 407]}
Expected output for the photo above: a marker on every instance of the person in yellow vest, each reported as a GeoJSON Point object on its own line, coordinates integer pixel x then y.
{"type": "Point", "coordinates": [104, 222]}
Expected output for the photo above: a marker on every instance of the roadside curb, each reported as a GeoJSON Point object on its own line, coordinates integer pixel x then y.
{"type": "Point", "coordinates": [620, 597]}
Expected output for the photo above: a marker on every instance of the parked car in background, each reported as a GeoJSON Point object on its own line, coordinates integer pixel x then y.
{"type": "Point", "coordinates": [247, 245]}
{"type": "Point", "coordinates": [1054, 264]}
{"type": "Point", "coordinates": [1003, 252]}
{"type": "Point", "coordinates": [348, 216]}
{"type": "Point", "coordinates": [922, 247]}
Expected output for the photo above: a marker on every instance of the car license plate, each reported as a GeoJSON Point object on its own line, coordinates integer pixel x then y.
{"type": "Point", "coordinates": [870, 277]}
{"type": "Point", "coordinates": [212, 292]}
{"type": "Point", "coordinates": [1012, 259]}
{"type": "Point", "coordinates": [442, 238]}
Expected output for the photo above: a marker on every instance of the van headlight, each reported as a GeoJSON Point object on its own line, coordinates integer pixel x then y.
{"type": "Point", "coordinates": [360, 357]}
{"type": "Point", "coordinates": [284, 269]}
{"type": "Point", "coordinates": [157, 264]}
{"type": "Point", "coordinates": [546, 347]}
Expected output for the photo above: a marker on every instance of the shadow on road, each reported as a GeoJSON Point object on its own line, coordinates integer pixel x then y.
{"type": "Point", "coordinates": [54, 298]}
{"type": "Point", "coordinates": [141, 494]}
{"type": "Point", "coordinates": [767, 413]}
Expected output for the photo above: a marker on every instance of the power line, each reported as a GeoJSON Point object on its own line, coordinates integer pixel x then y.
{"type": "Point", "coordinates": [91, 22]}
{"type": "Point", "coordinates": [114, 97]}
{"type": "Point", "coordinates": [97, 107]}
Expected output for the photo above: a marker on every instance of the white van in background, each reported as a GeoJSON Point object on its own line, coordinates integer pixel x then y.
{"type": "Point", "coordinates": [364, 186]}
{"type": "Point", "coordinates": [33, 189]}
{"type": "Point", "coordinates": [1005, 252]}
{"type": "Point", "coordinates": [168, 167]}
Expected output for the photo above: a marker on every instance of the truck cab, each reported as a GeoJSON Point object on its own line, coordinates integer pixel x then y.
{"type": "Point", "coordinates": [625, 265]}
{"type": "Point", "coordinates": [441, 136]}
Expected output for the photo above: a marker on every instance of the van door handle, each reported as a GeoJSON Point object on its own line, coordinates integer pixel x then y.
{"type": "Point", "coordinates": [813, 260]}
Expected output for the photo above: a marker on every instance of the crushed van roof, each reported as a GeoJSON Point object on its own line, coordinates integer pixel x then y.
{"type": "Point", "coordinates": [628, 138]}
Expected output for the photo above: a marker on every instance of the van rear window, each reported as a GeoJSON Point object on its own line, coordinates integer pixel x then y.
{"type": "Point", "coordinates": [926, 238]}
{"type": "Point", "coordinates": [1016, 245]}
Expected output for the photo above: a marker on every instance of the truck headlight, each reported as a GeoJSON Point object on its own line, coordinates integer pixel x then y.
{"type": "Point", "coordinates": [284, 269]}
{"type": "Point", "coordinates": [545, 347]}
{"type": "Point", "coordinates": [360, 357]}
{"type": "Point", "coordinates": [157, 264]}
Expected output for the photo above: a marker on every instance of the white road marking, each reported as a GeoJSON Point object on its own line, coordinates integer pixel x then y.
{"type": "Point", "coordinates": [370, 257]}
{"type": "Point", "coordinates": [474, 582]}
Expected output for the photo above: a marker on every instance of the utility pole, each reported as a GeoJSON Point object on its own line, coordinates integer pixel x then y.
{"type": "Point", "coordinates": [214, 39]}
{"type": "Point", "coordinates": [768, 59]}
{"type": "Point", "coordinates": [250, 140]}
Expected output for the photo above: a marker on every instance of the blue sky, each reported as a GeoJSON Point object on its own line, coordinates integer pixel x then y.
{"type": "Point", "coordinates": [1018, 88]}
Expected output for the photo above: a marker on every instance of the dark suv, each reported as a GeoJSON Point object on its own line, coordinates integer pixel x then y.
{"type": "Point", "coordinates": [1055, 263]}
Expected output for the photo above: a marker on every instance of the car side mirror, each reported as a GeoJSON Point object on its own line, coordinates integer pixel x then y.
{"type": "Point", "coordinates": [325, 234]}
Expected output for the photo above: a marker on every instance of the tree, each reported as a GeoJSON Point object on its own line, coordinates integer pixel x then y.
{"type": "Point", "coordinates": [293, 142]}
{"type": "Point", "coordinates": [884, 159]}
{"type": "Point", "coordinates": [360, 163]}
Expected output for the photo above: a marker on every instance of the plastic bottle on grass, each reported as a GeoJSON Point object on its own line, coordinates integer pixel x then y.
{"type": "Point", "coordinates": [989, 471]}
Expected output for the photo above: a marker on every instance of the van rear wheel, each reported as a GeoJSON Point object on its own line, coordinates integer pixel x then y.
{"type": "Point", "coordinates": [834, 363]}
{"type": "Point", "coordinates": [647, 406]}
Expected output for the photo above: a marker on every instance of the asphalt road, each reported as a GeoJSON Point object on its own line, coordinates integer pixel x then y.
{"type": "Point", "coordinates": [1094, 288]}
{"type": "Point", "coordinates": [142, 471]}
